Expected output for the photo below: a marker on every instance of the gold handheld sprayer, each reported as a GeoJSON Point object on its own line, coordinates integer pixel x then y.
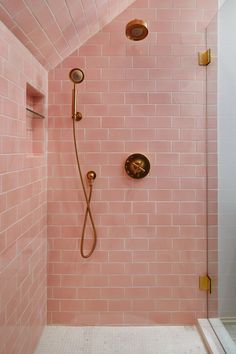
{"type": "Point", "coordinates": [77, 76]}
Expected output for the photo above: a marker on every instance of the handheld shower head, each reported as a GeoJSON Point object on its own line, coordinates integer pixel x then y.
{"type": "Point", "coordinates": [76, 75]}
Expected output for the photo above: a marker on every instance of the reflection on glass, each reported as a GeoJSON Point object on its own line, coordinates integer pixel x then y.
{"type": "Point", "coordinates": [221, 171]}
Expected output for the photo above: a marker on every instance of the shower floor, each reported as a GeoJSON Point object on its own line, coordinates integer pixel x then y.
{"type": "Point", "coordinates": [121, 340]}
{"type": "Point", "coordinates": [230, 325]}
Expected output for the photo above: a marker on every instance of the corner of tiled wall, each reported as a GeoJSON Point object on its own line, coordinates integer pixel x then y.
{"type": "Point", "coordinates": [23, 203]}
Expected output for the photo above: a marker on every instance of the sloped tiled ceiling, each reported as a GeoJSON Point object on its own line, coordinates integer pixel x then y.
{"type": "Point", "coordinates": [53, 29]}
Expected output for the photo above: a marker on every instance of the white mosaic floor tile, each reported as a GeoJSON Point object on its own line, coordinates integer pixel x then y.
{"type": "Point", "coordinates": [120, 340]}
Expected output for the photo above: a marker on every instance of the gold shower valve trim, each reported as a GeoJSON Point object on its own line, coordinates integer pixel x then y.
{"type": "Point", "coordinates": [204, 58]}
{"type": "Point", "coordinates": [137, 166]}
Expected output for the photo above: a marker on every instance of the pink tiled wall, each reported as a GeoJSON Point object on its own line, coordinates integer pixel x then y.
{"type": "Point", "coordinates": [137, 97]}
{"type": "Point", "coordinates": [53, 29]}
{"type": "Point", "coordinates": [22, 202]}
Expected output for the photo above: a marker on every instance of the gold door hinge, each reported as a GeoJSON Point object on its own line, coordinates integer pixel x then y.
{"type": "Point", "coordinates": [204, 58]}
{"type": "Point", "coordinates": [205, 283]}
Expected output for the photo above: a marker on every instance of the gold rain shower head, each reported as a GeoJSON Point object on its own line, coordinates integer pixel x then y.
{"type": "Point", "coordinates": [136, 30]}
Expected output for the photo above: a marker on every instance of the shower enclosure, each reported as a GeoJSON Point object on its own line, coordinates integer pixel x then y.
{"type": "Point", "coordinates": [221, 172]}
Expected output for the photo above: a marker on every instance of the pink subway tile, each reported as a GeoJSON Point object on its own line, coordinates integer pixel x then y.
{"type": "Point", "coordinates": [136, 268]}
{"type": "Point", "coordinates": [111, 318]}
{"type": "Point", "coordinates": [96, 280]}
{"type": "Point", "coordinates": [160, 244]}
{"type": "Point", "coordinates": [143, 280]}
{"type": "Point", "coordinates": [144, 62]}
{"type": "Point", "coordinates": [144, 99]}
{"type": "Point", "coordinates": [120, 86]}
{"type": "Point", "coordinates": [143, 305]}
{"type": "Point", "coordinates": [136, 293]}
{"type": "Point", "coordinates": [136, 73]}
{"type": "Point", "coordinates": [136, 50]}
{"type": "Point", "coordinates": [120, 256]}
{"type": "Point", "coordinates": [64, 317]}
{"type": "Point", "coordinates": [138, 244]}
{"type": "Point", "coordinates": [120, 280]}
{"type": "Point", "coordinates": [138, 85]}
{"type": "Point", "coordinates": [120, 305]}
{"type": "Point", "coordinates": [114, 97]}
{"type": "Point", "coordinates": [160, 4]}
{"type": "Point", "coordinates": [136, 98]}
{"type": "Point", "coordinates": [121, 62]}
{"type": "Point", "coordinates": [88, 293]}
{"type": "Point", "coordinates": [96, 305]}
{"type": "Point", "coordinates": [113, 74]}
{"type": "Point", "coordinates": [160, 268]}
{"type": "Point", "coordinates": [209, 4]}
{"type": "Point", "coordinates": [114, 268]}
{"type": "Point", "coordinates": [110, 50]}
{"type": "Point", "coordinates": [112, 293]}
{"type": "Point", "coordinates": [160, 293]}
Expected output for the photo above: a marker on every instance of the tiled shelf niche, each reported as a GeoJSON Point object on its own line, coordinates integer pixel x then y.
{"type": "Point", "coordinates": [35, 122]}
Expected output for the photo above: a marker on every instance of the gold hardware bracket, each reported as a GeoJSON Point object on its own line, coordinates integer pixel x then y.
{"type": "Point", "coordinates": [204, 58]}
{"type": "Point", "coordinates": [205, 283]}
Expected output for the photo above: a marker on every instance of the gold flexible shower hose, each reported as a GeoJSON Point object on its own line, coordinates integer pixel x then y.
{"type": "Point", "coordinates": [87, 199]}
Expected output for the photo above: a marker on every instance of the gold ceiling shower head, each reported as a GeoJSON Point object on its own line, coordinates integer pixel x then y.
{"type": "Point", "coordinates": [136, 30]}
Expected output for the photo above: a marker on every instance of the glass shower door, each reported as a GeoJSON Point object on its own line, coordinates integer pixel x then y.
{"type": "Point", "coordinates": [221, 175]}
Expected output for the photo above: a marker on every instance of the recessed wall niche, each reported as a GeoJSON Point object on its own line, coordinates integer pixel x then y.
{"type": "Point", "coordinates": [35, 122]}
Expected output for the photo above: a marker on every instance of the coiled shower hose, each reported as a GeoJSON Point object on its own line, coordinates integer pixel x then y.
{"type": "Point", "coordinates": [87, 199]}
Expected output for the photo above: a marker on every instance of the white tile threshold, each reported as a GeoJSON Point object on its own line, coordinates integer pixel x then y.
{"type": "Point", "coordinates": [219, 333]}
{"type": "Point", "coordinates": [209, 336]}
{"type": "Point", "coordinates": [121, 340]}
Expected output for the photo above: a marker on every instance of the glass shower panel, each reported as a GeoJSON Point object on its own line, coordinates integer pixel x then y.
{"type": "Point", "coordinates": [212, 173]}
{"type": "Point", "coordinates": [221, 181]}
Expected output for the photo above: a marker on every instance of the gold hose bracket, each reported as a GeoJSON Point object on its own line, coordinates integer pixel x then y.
{"type": "Point", "coordinates": [77, 116]}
